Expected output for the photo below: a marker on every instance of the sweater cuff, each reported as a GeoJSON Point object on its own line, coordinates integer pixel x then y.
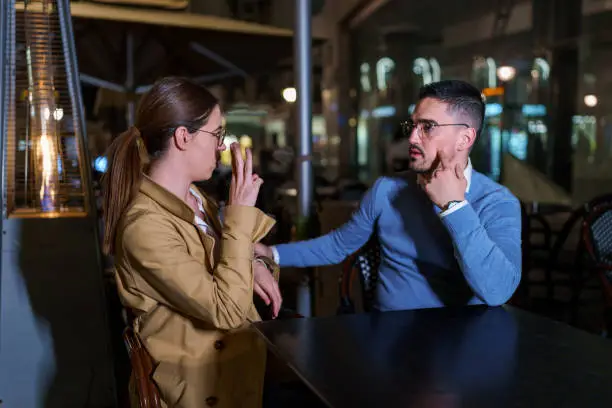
{"type": "Point", "coordinates": [462, 221]}
{"type": "Point", "coordinates": [285, 253]}
{"type": "Point", "coordinates": [275, 255]}
{"type": "Point", "coordinates": [454, 208]}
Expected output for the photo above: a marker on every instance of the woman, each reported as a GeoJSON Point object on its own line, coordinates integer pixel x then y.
{"type": "Point", "coordinates": [188, 280]}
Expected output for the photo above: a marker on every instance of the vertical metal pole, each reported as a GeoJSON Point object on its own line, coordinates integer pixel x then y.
{"type": "Point", "coordinates": [7, 94]}
{"type": "Point", "coordinates": [6, 7]}
{"type": "Point", "coordinates": [76, 98]}
{"type": "Point", "coordinates": [129, 79]}
{"type": "Point", "coordinates": [303, 74]}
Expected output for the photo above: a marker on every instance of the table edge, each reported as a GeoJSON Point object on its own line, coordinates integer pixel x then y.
{"type": "Point", "coordinates": [275, 350]}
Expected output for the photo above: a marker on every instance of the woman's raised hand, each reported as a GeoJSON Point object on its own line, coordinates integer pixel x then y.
{"type": "Point", "coordinates": [245, 185]}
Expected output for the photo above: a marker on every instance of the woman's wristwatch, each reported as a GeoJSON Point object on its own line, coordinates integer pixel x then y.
{"type": "Point", "coordinates": [270, 264]}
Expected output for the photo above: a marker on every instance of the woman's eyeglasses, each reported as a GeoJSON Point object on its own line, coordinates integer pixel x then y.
{"type": "Point", "coordinates": [220, 135]}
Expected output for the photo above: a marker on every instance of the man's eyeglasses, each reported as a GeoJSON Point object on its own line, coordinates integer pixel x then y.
{"type": "Point", "coordinates": [220, 135]}
{"type": "Point", "coordinates": [425, 127]}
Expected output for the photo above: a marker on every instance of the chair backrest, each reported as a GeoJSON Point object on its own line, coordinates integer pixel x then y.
{"type": "Point", "coordinates": [144, 392]}
{"type": "Point", "coordinates": [576, 217]}
{"type": "Point", "coordinates": [368, 264]}
{"type": "Point", "coordinates": [597, 235]}
{"type": "Point", "coordinates": [365, 263]}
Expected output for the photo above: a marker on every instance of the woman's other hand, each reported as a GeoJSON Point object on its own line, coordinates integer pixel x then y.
{"type": "Point", "coordinates": [245, 185]}
{"type": "Point", "coordinates": [263, 250]}
{"type": "Point", "coordinates": [266, 287]}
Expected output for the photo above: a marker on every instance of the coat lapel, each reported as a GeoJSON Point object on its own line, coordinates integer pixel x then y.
{"type": "Point", "coordinates": [208, 242]}
{"type": "Point", "coordinates": [211, 211]}
{"type": "Point", "coordinates": [180, 209]}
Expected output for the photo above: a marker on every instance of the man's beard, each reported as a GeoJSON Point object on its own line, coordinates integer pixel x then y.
{"type": "Point", "coordinates": [413, 162]}
{"type": "Point", "coordinates": [419, 170]}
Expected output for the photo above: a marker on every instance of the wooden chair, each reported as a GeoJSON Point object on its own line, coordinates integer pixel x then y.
{"type": "Point", "coordinates": [143, 390]}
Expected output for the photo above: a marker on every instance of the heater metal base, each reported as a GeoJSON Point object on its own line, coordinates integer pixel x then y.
{"type": "Point", "coordinates": [54, 336]}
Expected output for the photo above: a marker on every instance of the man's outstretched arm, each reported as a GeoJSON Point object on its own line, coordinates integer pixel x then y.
{"type": "Point", "coordinates": [335, 246]}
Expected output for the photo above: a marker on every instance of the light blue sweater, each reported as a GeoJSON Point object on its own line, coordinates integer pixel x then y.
{"type": "Point", "coordinates": [469, 256]}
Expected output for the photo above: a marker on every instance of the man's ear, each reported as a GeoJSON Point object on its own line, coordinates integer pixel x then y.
{"type": "Point", "coordinates": [467, 138]}
{"type": "Point", "coordinates": [182, 137]}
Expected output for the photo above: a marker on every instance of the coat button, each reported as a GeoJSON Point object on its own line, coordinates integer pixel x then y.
{"type": "Point", "coordinates": [212, 401]}
{"type": "Point", "coordinates": [219, 345]}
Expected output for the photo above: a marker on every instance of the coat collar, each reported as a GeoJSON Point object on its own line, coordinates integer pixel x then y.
{"type": "Point", "coordinates": [166, 199]}
{"type": "Point", "coordinates": [178, 207]}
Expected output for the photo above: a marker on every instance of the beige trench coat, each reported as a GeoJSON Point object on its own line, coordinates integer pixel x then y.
{"type": "Point", "coordinates": [193, 298]}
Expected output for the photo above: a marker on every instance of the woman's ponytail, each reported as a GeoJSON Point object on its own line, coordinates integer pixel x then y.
{"type": "Point", "coordinates": [121, 182]}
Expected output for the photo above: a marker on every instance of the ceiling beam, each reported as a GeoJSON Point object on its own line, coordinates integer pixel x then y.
{"type": "Point", "coordinates": [362, 11]}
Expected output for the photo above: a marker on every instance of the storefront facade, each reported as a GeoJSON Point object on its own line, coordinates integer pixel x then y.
{"type": "Point", "coordinates": [516, 79]}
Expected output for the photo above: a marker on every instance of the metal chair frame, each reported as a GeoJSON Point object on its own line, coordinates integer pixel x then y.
{"type": "Point", "coordinates": [368, 257]}
{"type": "Point", "coordinates": [602, 262]}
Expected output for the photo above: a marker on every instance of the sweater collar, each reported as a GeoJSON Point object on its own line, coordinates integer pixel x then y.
{"type": "Point", "coordinates": [467, 173]}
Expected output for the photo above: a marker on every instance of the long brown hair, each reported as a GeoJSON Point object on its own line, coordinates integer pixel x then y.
{"type": "Point", "coordinates": [171, 103]}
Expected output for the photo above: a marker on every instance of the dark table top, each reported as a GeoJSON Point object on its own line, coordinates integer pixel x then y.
{"type": "Point", "coordinates": [445, 358]}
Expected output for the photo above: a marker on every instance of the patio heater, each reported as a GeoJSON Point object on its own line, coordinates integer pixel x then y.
{"type": "Point", "coordinates": [54, 341]}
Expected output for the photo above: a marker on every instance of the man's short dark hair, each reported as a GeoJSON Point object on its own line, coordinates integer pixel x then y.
{"type": "Point", "coordinates": [461, 97]}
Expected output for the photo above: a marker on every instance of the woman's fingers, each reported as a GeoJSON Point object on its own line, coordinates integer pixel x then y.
{"type": "Point", "coordinates": [245, 185]}
{"type": "Point", "coordinates": [266, 287]}
{"type": "Point", "coordinates": [248, 168]}
{"type": "Point", "coordinates": [257, 182]}
{"type": "Point", "coordinates": [238, 163]}
{"type": "Point", "coordinates": [277, 301]}
{"type": "Point", "coordinates": [261, 293]}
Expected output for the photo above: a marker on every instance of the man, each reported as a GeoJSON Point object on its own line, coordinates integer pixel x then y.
{"type": "Point", "coordinates": [448, 234]}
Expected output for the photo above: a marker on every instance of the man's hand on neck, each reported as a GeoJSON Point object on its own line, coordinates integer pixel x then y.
{"type": "Point", "coordinates": [447, 182]}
